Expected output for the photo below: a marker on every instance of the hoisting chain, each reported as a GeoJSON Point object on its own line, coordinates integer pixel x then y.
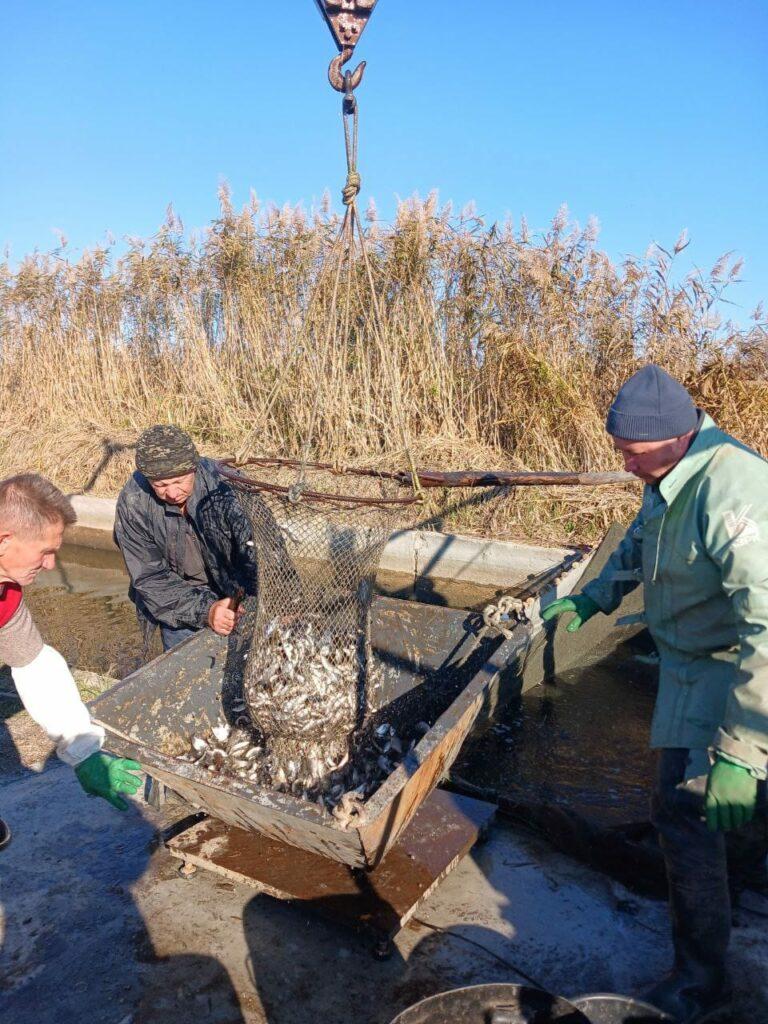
{"type": "Point", "coordinates": [508, 609]}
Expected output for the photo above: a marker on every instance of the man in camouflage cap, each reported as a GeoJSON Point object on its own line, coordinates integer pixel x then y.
{"type": "Point", "coordinates": [185, 540]}
{"type": "Point", "coordinates": [165, 451]}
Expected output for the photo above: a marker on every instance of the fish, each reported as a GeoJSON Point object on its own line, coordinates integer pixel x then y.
{"type": "Point", "coordinates": [296, 728]}
{"type": "Point", "coordinates": [221, 732]}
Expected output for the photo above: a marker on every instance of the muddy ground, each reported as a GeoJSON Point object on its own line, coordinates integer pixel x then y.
{"type": "Point", "coordinates": [98, 926]}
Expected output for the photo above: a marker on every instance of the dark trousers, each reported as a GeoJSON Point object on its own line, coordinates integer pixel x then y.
{"type": "Point", "coordinates": [171, 637]}
{"type": "Point", "coordinates": [697, 863]}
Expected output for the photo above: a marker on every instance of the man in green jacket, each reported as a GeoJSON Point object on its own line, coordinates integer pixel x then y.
{"type": "Point", "coordinates": [699, 546]}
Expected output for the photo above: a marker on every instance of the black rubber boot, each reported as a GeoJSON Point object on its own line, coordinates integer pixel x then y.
{"type": "Point", "coordinates": [689, 1001]}
{"type": "Point", "coordinates": [697, 990]}
{"type": "Point", "coordinates": [5, 834]}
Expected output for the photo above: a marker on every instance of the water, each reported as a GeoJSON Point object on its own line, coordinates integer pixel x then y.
{"type": "Point", "coordinates": [82, 607]}
{"type": "Point", "coordinates": [580, 741]}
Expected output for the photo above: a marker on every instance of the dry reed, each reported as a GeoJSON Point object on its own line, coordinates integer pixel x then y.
{"type": "Point", "coordinates": [505, 350]}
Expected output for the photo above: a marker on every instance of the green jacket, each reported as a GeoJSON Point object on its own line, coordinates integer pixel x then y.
{"type": "Point", "coordinates": [699, 545]}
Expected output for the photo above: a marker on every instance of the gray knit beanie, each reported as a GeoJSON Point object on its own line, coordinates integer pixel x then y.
{"type": "Point", "coordinates": [165, 451]}
{"type": "Point", "coordinates": [651, 406]}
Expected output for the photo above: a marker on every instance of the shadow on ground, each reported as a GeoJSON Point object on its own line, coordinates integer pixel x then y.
{"type": "Point", "coordinates": [99, 926]}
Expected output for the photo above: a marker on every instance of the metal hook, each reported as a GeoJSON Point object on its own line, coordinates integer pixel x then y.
{"type": "Point", "coordinates": [345, 82]}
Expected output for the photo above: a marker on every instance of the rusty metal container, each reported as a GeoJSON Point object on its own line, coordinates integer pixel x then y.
{"type": "Point", "coordinates": [434, 670]}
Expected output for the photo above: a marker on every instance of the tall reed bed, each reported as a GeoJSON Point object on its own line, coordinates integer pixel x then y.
{"type": "Point", "coordinates": [495, 349]}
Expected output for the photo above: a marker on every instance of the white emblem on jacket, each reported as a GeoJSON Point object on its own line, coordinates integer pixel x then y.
{"type": "Point", "coordinates": [740, 528]}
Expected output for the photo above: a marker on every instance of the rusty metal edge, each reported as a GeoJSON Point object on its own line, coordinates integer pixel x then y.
{"type": "Point", "coordinates": [382, 811]}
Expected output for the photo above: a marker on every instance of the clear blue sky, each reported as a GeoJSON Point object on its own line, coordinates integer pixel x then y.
{"type": "Point", "coordinates": [653, 116]}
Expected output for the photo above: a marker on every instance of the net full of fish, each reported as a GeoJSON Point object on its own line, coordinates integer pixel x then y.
{"type": "Point", "coordinates": [301, 685]}
{"type": "Point", "coordinates": [295, 727]}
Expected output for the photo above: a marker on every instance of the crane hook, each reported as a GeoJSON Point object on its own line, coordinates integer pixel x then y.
{"type": "Point", "coordinates": [348, 81]}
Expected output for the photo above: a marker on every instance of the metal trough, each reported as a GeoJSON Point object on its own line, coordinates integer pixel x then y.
{"type": "Point", "coordinates": [434, 669]}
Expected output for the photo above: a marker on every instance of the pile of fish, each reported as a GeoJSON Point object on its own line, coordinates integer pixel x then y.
{"type": "Point", "coordinates": [301, 687]}
{"type": "Point", "coordinates": [231, 751]}
{"type": "Point", "coordinates": [240, 752]}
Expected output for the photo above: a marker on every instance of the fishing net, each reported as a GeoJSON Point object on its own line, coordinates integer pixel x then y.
{"type": "Point", "coordinates": [309, 681]}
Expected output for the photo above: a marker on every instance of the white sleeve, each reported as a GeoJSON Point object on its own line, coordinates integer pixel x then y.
{"type": "Point", "coordinates": [49, 694]}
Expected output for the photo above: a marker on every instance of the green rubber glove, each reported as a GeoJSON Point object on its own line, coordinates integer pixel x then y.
{"type": "Point", "coordinates": [584, 607]}
{"type": "Point", "coordinates": [107, 776]}
{"type": "Point", "coordinates": [731, 796]}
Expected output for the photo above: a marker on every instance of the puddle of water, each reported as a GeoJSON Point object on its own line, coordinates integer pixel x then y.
{"type": "Point", "coordinates": [82, 609]}
{"type": "Point", "coordinates": [579, 741]}
{"type": "Point", "coordinates": [97, 633]}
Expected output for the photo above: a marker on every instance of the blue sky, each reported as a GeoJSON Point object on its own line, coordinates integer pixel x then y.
{"type": "Point", "coordinates": [651, 116]}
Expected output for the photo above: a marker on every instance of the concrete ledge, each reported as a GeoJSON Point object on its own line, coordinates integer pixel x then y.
{"type": "Point", "coordinates": [415, 553]}
{"type": "Point", "coordinates": [94, 513]}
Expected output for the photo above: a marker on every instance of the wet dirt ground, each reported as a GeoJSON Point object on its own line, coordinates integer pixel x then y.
{"type": "Point", "coordinates": [98, 926]}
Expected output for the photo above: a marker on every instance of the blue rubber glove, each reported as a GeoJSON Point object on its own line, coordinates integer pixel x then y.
{"type": "Point", "coordinates": [106, 776]}
{"type": "Point", "coordinates": [584, 607]}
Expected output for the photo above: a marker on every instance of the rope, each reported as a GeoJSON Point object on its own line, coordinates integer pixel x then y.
{"type": "Point", "coordinates": [352, 188]}
{"type": "Point", "coordinates": [354, 183]}
{"type": "Point", "coordinates": [343, 250]}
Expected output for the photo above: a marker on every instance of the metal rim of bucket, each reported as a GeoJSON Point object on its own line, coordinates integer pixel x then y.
{"type": "Point", "coordinates": [619, 1009]}
{"type": "Point", "coordinates": [492, 997]}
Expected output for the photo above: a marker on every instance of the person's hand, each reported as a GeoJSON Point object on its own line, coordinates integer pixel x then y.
{"type": "Point", "coordinates": [584, 607]}
{"type": "Point", "coordinates": [221, 618]}
{"type": "Point", "coordinates": [108, 777]}
{"type": "Point", "coordinates": [731, 796]}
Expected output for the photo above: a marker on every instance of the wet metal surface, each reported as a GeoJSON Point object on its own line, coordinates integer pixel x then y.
{"type": "Point", "coordinates": [383, 900]}
{"type": "Point", "coordinates": [499, 1004]}
{"type": "Point", "coordinates": [152, 713]}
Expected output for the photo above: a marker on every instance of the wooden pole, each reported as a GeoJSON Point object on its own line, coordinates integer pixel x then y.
{"type": "Point", "coordinates": [472, 478]}
{"type": "Point", "coordinates": [458, 478]}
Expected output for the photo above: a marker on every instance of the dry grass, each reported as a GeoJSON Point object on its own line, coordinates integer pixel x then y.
{"type": "Point", "coordinates": [504, 351]}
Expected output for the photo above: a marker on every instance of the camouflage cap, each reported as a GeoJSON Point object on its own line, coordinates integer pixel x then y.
{"type": "Point", "coordinates": [165, 451]}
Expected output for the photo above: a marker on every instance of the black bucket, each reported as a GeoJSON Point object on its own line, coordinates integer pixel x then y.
{"type": "Point", "coordinates": [607, 1008]}
{"type": "Point", "coordinates": [493, 1004]}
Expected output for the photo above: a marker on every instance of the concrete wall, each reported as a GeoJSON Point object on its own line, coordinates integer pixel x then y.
{"type": "Point", "coordinates": [420, 555]}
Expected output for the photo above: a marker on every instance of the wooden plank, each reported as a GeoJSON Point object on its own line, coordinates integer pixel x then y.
{"type": "Point", "coordinates": [443, 831]}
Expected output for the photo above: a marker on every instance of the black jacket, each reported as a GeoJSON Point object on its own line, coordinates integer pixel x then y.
{"type": "Point", "coordinates": [151, 537]}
